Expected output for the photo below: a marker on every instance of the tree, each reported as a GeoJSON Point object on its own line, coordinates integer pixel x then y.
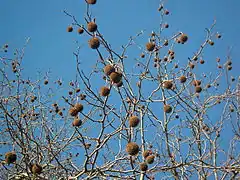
{"type": "Point", "coordinates": [117, 122]}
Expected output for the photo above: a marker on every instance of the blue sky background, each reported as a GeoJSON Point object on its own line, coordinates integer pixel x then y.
{"type": "Point", "coordinates": [51, 47]}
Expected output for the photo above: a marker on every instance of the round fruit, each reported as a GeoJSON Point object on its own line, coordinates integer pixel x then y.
{"type": "Point", "coordinates": [78, 107]}
{"type": "Point", "coordinates": [183, 79]}
{"type": "Point", "coordinates": [198, 89]}
{"type": "Point", "coordinates": [143, 166]}
{"type": "Point", "coordinates": [183, 38]}
{"type": "Point", "coordinates": [150, 159]}
{"type": "Point", "coordinates": [108, 69]}
{"type": "Point", "coordinates": [167, 108]}
{"type": "Point", "coordinates": [69, 29]}
{"type": "Point", "coordinates": [116, 77]}
{"type": "Point", "coordinates": [92, 26]}
{"type": "Point", "coordinates": [146, 153]}
{"type": "Point", "coordinates": [104, 91]}
{"type": "Point", "coordinates": [167, 84]}
{"type": "Point", "coordinates": [132, 148]}
{"type": "Point", "coordinates": [36, 169]}
{"type": "Point", "coordinates": [80, 30]}
{"type": "Point", "coordinates": [94, 43]}
{"type": "Point", "coordinates": [10, 157]}
{"type": "Point", "coordinates": [73, 111]}
{"type": "Point", "coordinates": [196, 82]}
{"type": "Point", "coordinates": [91, 1]}
{"type": "Point", "coordinates": [134, 121]}
{"type": "Point", "coordinates": [150, 46]}
{"type": "Point", "coordinates": [77, 122]}
{"type": "Point", "coordinates": [211, 42]}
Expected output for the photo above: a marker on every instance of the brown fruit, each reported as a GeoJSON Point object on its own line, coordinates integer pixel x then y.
{"type": "Point", "coordinates": [196, 82]}
{"type": "Point", "coordinates": [69, 29]}
{"type": "Point", "coordinates": [143, 166]}
{"type": "Point", "coordinates": [167, 84]}
{"type": "Point", "coordinates": [116, 77]}
{"type": "Point", "coordinates": [108, 69]}
{"type": "Point", "coordinates": [77, 122]}
{"type": "Point", "coordinates": [150, 159]}
{"type": "Point", "coordinates": [46, 82]}
{"type": "Point", "coordinates": [166, 25]}
{"type": "Point", "coordinates": [119, 84]}
{"type": "Point", "coordinates": [191, 65]}
{"type": "Point", "coordinates": [94, 43]}
{"type": "Point", "coordinates": [183, 38]}
{"type": "Point", "coordinates": [104, 91]}
{"type": "Point", "coordinates": [92, 26]}
{"type": "Point", "coordinates": [167, 108]}
{"type": "Point", "coordinates": [132, 148]}
{"type": "Point", "coordinates": [10, 157]}
{"type": "Point", "coordinates": [72, 111]}
{"type": "Point", "coordinates": [78, 90]}
{"type": "Point", "coordinates": [146, 153]}
{"type": "Point", "coordinates": [78, 107]}
{"type": "Point", "coordinates": [91, 1]}
{"type": "Point", "coordinates": [229, 68]}
{"type": "Point", "coordinates": [218, 35]}
{"type": "Point", "coordinates": [142, 55]}
{"type": "Point", "coordinates": [166, 12]}
{"type": "Point", "coordinates": [198, 89]}
{"type": "Point", "coordinates": [183, 79]}
{"type": "Point", "coordinates": [202, 61]}
{"type": "Point", "coordinates": [211, 42]}
{"type": "Point", "coordinates": [150, 46]}
{"type": "Point", "coordinates": [229, 62]}
{"type": "Point", "coordinates": [134, 121]}
{"type": "Point", "coordinates": [80, 30]}
{"type": "Point", "coordinates": [36, 169]}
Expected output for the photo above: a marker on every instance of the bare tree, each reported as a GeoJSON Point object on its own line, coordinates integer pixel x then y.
{"type": "Point", "coordinates": [155, 120]}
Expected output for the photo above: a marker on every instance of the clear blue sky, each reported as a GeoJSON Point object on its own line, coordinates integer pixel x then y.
{"type": "Point", "coordinates": [51, 47]}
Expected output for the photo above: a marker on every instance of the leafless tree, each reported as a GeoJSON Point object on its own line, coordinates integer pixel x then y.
{"type": "Point", "coordinates": [156, 120]}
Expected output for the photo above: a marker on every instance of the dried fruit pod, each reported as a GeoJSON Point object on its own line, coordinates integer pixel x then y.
{"type": "Point", "coordinates": [183, 38]}
{"type": "Point", "coordinates": [69, 29]}
{"type": "Point", "coordinates": [104, 91]}
{"type": "Point", "coordinates": [167, 84]}
{"type": "Point", "coordinates": [150, 46]}
{"type": "Point", "coordinates": [134, 121]}
{"type": "Point", "coordinates": [196, 82]}
{"type": "Point", "coordinates": [108, 69]}
{"type": "Point", "coordinates": [146, 153]}
{"type": "Point", "coordinates": [94, 43]}
{"type": "Point", "coordinates": [91, 1]}
{"type": "Point", "coordinates": [202, 61]}
{"type": "Point", "coordinates": [36, 169]}
{"type": "Point", "coordinates": [167, 108]}
{"type": "Point", "coordinates": [150, 159]}
{"type": "Point", "coordinates": [143, 166]}
{"type": "Point", "coordinates": [92, 26]}
{"type": "Point", "coordinates": [10, 157]}
{"type": "Point", "coordinates": [116, 77]}
{"type": "Point", "coordinates": [211, 42]}
{"type": "Point", "coordinates": [80, 30]}
{"type": "Point", "coordinates": [183, 79]}
{"type": "Point", "coordinates": [132, 148]}
{"type": "Point", "coordinates": [77, 122]}
{"type": "Point", "coordinates": [78, 107]}
{"type": "Point", "coordinates": [73, 111]}
{"type": "Point", "coordinates": [198, 89]}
